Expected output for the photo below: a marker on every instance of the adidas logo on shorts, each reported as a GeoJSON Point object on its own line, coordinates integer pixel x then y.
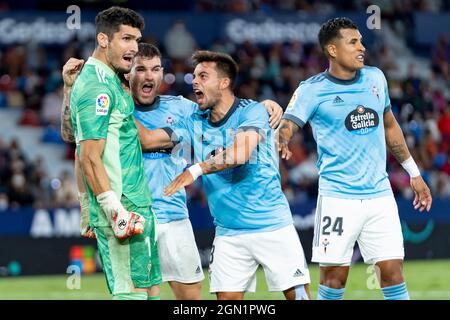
{"type": "Point", "coordinates": [298, 273]}
{"type": "Point", "coordinates": [199, 270]}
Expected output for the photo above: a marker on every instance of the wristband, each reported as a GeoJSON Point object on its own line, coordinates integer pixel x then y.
{"type": "Point", "coordinates": [411, 167]}
{"type": "Point", "coordinates": [109, 202]}
{"type": "Point", "coordinates": [196, 171]}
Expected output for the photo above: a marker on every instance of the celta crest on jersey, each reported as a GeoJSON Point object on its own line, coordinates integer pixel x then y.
{"type": "Point", "coordinates": [170, 121]}
{"type": "Point", "coordinates": [376, 92]}
{"type": "Point", "coordinates": [362, 120]}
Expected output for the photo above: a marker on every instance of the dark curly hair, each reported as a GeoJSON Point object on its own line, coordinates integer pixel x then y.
{"type": "Point", "coordinates": [109, 21]}
{"type": "Point", "coordinates": [224, 63]}
{"type": "Point", "coordinates": [330, 30]}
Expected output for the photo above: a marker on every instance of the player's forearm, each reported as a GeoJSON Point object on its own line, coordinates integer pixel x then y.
{"type": "Point", "coordinates": [231, 157]}
{"type": "Point", "coordinates": [94, 171]}
{"type": "Point", "coordinates": [244, 145]}
{"type": "Point", "coordinates": [153, 139]}
{"type": "Point", "coordinates": [66, 123]}
{"type": "Point", "coordinates": [395, 140]}
{"type": "Point", "coordinates": [397, 145]}
{"type": "Point", "coordinates": [222, 161]}
{"type": "Point", "coordinates": [286, 131]}
{"type": "Point", "coordinates": [79, 175]}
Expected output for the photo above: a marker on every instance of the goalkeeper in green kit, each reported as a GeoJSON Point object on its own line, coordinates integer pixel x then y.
{"type": "Point", "coordinates": [110, 157]}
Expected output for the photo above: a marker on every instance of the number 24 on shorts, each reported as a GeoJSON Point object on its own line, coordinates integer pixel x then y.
{"type": "Point", "coordinates": [337, 225]}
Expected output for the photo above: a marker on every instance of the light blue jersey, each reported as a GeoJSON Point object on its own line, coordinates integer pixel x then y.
{"type": "Point", "coordinates": [346, 117]}
{"type": "Point", "coordinates": [247, 198]}
{"type": "Point", "coordinates": [160, 167]}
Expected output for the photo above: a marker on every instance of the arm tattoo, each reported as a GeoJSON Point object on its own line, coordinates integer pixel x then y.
{"type": "Point", "coordinates": [218, 163]}
{"type": "Point", "coordinates": [287, 130]}
{"type": "Point", "coordinates": [237, 154]}
{"type": "Point", "coordinates": [395, 140]}
{"type": "Point", "coordinates": [398, 150]}
{"type": "Point", "coordinates": [66, 125]}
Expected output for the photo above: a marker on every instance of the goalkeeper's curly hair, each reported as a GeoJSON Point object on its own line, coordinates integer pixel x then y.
{"type": "Point", "coordinates": [109, 21]}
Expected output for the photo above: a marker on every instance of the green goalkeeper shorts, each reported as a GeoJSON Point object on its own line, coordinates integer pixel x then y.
{"type": "Point", "coordinates": [130, 260]}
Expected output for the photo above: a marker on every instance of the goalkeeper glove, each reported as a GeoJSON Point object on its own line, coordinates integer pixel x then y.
{"type": "Point", "coordinates": [124, 224]}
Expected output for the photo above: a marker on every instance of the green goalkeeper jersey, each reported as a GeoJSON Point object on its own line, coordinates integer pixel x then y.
{"type": "Point", "coordinates": [101, 109]}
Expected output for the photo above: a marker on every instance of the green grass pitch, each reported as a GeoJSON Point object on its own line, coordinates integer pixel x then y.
{"type": "Point", "coordinates": [425, 279]}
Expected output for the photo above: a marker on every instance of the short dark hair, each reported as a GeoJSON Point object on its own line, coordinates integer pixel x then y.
{"type": "Point", "coordinates": [331, 30]}
{"type": "Point", "coordinates": [109, 21]}
{"type": "Point", "coordinates": [224, 62]}
{"type": "Point", "coordinates": [148, 50]}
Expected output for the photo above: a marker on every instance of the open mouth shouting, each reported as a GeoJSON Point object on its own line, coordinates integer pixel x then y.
{"type": "Point", "coordinates": [147, 89]}
{"type": "Point", "coordinates": [199, 96]}
{"type": "Point", "coordinates": [128, 59]}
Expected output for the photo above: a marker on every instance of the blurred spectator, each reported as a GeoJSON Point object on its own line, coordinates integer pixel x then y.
{"type": "Point", "coordinates": [442, 185]}
{"type": "Point", "coordinates": [294, 53]}
{"type": "Point", "coordinates": [179, 42]}
{"type": "Point", "coordinates": [19, 191]}
{"type": "Point", "coordinates": [25, 183]}
{"type": "Point", "coordinates": [4, 159]}
{"type": "Point", "coordinates": [387, 61]}
{"type": "Point", "coordinates": [440, 57]}
{"type": "Point", "coordinates": [444, 123]}
{"type": "Point", "coordinates": [51, 106]}
{"type": "Point", "coordinates": [39, 184]}
{"type": "Point", "coordinates": [52, 133]}
{"type": "Point", "coordinates": [66, 194]}
{"type": "Point", "coordinates": [4, 201]}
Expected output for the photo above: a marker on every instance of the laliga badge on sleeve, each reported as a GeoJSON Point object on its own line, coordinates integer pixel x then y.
{"type": "Point", "coordinates": [102, 104]}
{"type": "Point", "coordinates": [293, 100]}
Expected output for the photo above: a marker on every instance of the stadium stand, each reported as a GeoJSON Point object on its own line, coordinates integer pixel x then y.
{"type": "Point", "coordinates": [30, 85]}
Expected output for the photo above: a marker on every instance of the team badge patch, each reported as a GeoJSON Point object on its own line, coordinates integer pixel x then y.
{"type": "Point", "coordinates": [102, 104]}
{"type": "Point", "coordinates": [376, 92]}
{"type": "Point", "coordinates": [292, 101]}
{"type": "Point", "coordinates": [170, 121]}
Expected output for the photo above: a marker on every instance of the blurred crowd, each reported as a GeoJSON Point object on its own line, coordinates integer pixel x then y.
{"type": "Point", "coordinates": [391, 8]}
{"type": "Point", "coordinates": [26, 182]}
{"type": "Point", "coordinates": [30, 80]}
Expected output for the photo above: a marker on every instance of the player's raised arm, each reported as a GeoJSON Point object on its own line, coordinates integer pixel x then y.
{"type": "Point", "coordinates": [284, 135]}
{"type": "Point", "coordinates": [69, 74]}
{"type": "Point", "coordinates": [155, 139]}
{"type": "Point", "coordinates": [397, 146]}
{"type": "Point", "coordinates": [66, 124]}
{"type": "Point", "coordinates": [239, 153]}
